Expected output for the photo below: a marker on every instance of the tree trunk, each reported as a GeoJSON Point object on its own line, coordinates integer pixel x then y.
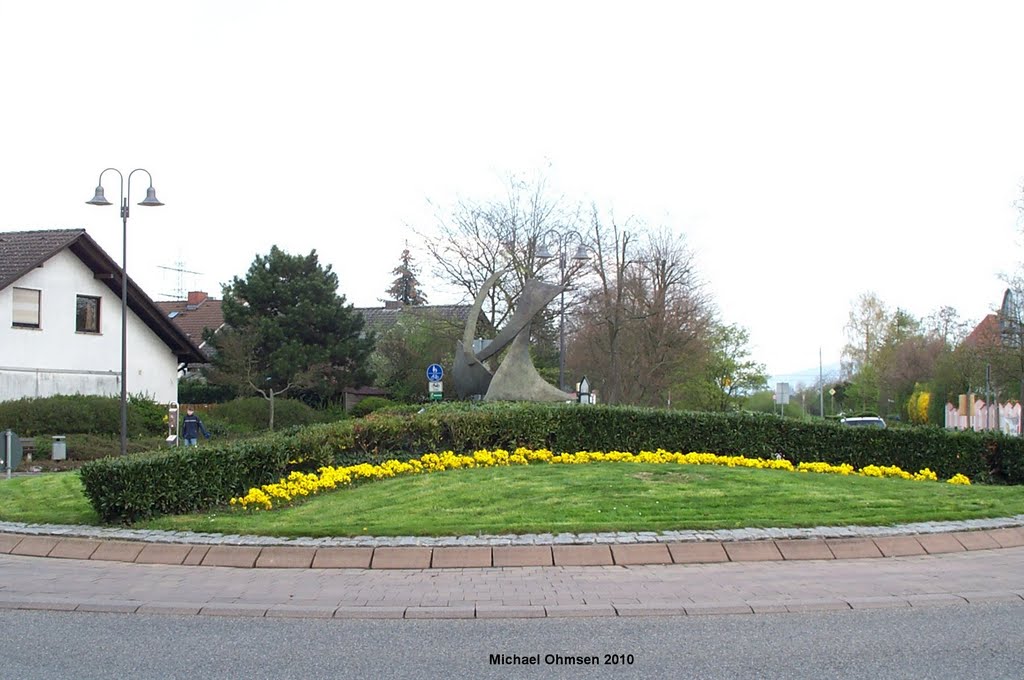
{"type": "Point", "coordinates": [271, 409]}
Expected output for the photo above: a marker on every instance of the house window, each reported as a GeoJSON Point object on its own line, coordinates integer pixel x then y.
{"type": "Point", "coordinates": [87, 314]}
{"type": "Point", "coordinates": [26, 308]}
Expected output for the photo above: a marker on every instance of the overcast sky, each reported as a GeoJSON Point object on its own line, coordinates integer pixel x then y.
{"type": "Point", "coordinates": [809, 151]}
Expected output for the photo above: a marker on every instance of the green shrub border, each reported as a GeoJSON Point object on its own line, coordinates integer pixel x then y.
{"type": "Point", "coordinates": [81, 414]}
{"type": "Point", "coordinates": [139, 486]}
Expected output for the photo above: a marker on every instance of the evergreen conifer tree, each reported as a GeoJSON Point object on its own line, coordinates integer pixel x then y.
{"type": "Point", "coordinates": [406, 288]}
{"type": "Point", "coordinates": [289, 329]}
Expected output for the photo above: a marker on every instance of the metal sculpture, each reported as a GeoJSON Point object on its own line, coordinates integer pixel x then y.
{"type": "Point", "coordinates": [516, 378]}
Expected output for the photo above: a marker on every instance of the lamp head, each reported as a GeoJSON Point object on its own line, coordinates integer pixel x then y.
{"type": "Point", "coordinates": [99, 198]}
{"type": "Point", "coordinates": [543, 253]}
{"type": "Point", "coordinates": [581, 253]}
{"type": "Point", "coordinates": [150, 198]}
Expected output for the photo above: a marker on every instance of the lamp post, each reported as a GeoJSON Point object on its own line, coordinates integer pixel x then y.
{"type": "Point", "coordinates": [543, 253]}
{"type": "Point", "coordinates": [150, 200]}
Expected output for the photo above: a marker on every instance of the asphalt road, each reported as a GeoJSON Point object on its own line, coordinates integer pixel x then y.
{"type": "Point", "coordinates": [957, 641]}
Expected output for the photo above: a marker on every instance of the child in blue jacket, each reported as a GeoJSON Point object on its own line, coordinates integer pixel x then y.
{"type": "Point", "coordinates": [191, 426]}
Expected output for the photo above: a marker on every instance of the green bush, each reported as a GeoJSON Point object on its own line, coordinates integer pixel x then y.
{"type": "Point", "coordinates": [82, 447]}
{"type": "Point", "coordinates": [368, 405]}
{"type": "Point", "coordinates": [137, 486]}
{"type": "Point", "coordinates": [81, 414]}
{"type": "Point", "coordinates": [195, 392]}
{"type": "Point", "coordinates": [144, 415]}
{"type": "Point", "coordinates": [322, 445]}
{"type": "Point", "coordinates": [568, 427]}
{"type": "Point", "coordinates": [252, 414]}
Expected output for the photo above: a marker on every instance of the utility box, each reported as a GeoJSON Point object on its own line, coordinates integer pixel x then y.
{"type": "Point", "coordinates": [60, 448]}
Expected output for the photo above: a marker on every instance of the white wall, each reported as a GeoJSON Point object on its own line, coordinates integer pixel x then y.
{"type": "Point", "coordinates": [55, 359]}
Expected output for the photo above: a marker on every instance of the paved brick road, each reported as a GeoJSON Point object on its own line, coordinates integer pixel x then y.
{"type": "Point", "coordinates": [778, 585]}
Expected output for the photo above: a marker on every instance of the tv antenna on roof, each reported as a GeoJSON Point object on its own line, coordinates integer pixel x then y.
{"type": "Point", "coordinates": [180, 292]}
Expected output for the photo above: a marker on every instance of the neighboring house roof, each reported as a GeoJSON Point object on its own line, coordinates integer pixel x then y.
{"type": "Point", "coordinates": [195, 315]}
{"type": "Point", "coordinates": [366, 391]}
{"type": "Point", "coordinates": [380, 319]}
{"type": "Point", "coordinates": [23, 251]}
{"type": "Point", "coordinates": [199, 312]}
{"type": "Point", "coordinates": [985, 334]}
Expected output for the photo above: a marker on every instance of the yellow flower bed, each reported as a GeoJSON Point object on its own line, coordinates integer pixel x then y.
{"type": "Point", "coordinates": [298, 484]}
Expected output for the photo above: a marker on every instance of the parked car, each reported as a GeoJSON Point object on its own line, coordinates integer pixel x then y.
{"type": "Point", "coordinates": [864, 421]}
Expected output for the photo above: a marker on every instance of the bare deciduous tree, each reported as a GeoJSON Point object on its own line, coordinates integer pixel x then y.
{"type": "Point", "coordinates": [478, 238]}
{"type": "Point", "coordinates": [865, 332]}
{"type": "Point", "coordinates": [644, 318]}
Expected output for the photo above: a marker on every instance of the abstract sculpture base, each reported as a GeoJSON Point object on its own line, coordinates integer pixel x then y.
{"type": "Point", "coordinates": [516, 379]}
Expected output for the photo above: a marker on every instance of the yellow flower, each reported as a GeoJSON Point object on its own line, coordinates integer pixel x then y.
{"type": "Point", "coordinates": [298, 484]}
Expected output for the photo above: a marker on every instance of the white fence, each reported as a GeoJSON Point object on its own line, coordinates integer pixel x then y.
{"type": "Point", "coordinates": [976, 415]}
{"type": "Point", "coordinates": [19, 383]}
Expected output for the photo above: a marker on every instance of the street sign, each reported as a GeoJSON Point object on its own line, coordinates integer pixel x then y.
{"type": "Point", "coordinates": [434, 372]}
{"type": "Point", "coordinates": [436, 386]}
{"type": "Point", "coordinates": [782, 393]}
{"type": "Point", "coordinates": [832, 391]}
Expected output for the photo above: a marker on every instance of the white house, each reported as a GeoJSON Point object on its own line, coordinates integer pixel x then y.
{"type": "Point", "coordinates": [60, 323]}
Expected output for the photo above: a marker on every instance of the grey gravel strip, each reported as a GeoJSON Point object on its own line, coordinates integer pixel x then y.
{"type": "Point", "coordinates": [621, 537]}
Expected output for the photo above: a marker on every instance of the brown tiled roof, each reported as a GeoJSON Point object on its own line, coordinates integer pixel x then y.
{"type": "Point", "coordinates": [22, 251]}
{"type": "Point", "coordinates": [193, 319]}
{"type": "Point", "coordinates": [379, 319]}
{"type": "Point", "coordinates": [985, 334]}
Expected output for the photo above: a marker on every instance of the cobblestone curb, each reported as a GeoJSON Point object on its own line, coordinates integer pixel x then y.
{"type": "Point", "coordinates": [609, 538]}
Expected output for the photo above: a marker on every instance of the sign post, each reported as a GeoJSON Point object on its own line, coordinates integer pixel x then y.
{"type": "Point", "coordinates": [436, 389]}
{"type": "Point", "coordinates": [172, 424]}
{"type": "Point", "coordinates": [434, 385]}
{"type": "Point", "coordinates": [782, 393]}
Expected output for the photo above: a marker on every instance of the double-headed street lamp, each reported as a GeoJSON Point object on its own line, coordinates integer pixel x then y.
{"type": "Point", "coordinates": [150, 200]}
{"type": "Point", "coordinates": [543, 253]}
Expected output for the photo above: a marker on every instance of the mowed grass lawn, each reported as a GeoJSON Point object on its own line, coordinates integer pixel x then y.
{"type": "Point", "coordinates": [555, 498]}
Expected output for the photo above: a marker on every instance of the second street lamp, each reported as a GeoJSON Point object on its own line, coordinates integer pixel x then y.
{"type": "Point", "coordinates": [543, 253]}
{"type": "Point", "coordinates": [150, 200]}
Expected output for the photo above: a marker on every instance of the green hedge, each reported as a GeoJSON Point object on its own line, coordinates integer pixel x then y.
{"type": "Point", "coordinates": [81, 414]}
{"type": "Point", "coordinates": [252, 414]}
{"type": "Point", "coordinates": [368, 405]}
{"type": "Point", "coordinates": [195, 392]}
{"type": "Point", "coordinates": [463, 428]}
{"type": "Point", "coordinates": [188, 480]}
{"type": "Point", "coordinates": [183, 480]}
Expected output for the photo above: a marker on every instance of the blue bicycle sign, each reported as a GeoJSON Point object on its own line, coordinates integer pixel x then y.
{"type": "Point", "coordinates": [434, 372]}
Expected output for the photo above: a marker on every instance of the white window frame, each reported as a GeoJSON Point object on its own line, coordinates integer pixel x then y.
{"type": "Point", "coordinates": [21, 309]}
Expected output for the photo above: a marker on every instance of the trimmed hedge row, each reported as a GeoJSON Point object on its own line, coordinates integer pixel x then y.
{"type": "Point", "coordinates": [81, 414]}
{"type": "Point", "coordinates": [990, 456]}
{"type": "Point", "coordinates": [195, 392]}
{"type": "Point", "coordinates": [252, 414]}
{"type": "Point", "coordinates": [188, 480]}
{"type": "Point", "coordinates": [179, 481]}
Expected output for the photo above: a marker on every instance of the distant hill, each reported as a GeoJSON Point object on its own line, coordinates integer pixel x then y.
{"type": "Point", "coordinates": [806, 377]}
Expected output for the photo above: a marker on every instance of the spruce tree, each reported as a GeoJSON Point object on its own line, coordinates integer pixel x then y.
{"type": "Point", "coordinates": [405, 288]}
{"type": "Point", "coordinates": [289, 329]}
